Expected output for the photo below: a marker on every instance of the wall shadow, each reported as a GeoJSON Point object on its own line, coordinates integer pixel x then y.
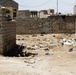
{"type": "Point", "coordinates": [14, 51]}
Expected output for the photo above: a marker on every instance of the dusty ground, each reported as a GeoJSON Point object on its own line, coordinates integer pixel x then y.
{"type": "Point", "coordinates": [52, 58]}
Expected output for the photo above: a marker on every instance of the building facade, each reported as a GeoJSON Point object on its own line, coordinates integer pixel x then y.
{"type": "Point", "coordinates": [27, 14]}
{"type": "Point", "coordinates": [35, 13]}
{"type": "Point", "coordinates": [46, 13]}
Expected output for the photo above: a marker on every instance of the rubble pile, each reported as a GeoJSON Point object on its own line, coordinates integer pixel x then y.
{"type": "Point", "coordinates": [46, 43]}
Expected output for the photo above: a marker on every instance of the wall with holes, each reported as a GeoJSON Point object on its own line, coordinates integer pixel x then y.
{"type": "Point", "coordinates": [53, 24]}
{"type": "Point", "coordinates": [7, 34]}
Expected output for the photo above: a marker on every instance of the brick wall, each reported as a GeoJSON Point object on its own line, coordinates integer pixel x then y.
{"type": "Point", "coordinates": [53, 24]}
{"type": "Point", "coordinates": [7, 34]}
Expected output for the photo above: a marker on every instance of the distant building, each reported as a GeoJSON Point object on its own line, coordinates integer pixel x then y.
{"type": "Point", "coordinates": [74, 9]}
{"type": "Point", "coordinates": [24, 14]}
{"type": "Point", "coordinates": [35, 13]}
{"type": "Point", "coordinates": [46, 13]}
{"type": "Point", "coordinates": [27, 14]}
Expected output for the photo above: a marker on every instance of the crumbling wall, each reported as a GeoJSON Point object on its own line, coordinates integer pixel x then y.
{"type": "Point", "coordinates": [7, 34]}
{"type": "Point", "coordinates": [53, 24]}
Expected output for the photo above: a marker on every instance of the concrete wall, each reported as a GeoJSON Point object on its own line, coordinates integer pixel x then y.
{"type": "Point", "coordinates": [53, 24]}
{"type": "Point", "coordinates": [7, 34]}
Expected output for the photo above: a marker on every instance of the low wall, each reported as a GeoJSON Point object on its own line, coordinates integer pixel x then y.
{"type": "Point", "coordinates": [53, 24]}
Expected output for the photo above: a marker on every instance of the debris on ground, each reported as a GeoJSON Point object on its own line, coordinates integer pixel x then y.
{"type": "Point", "coordinates": [31, 48]}
{"type": "Point", "coordinates": [46, 49]}
{"type": "Point", "coordinates": [41, 42]}
{"type": "Point", "coordinates": [65, 41]}
{"type": "Point", "coordinates": [34, 35]}
{"type": "Point", "coordinates": [71, 49]}
{"type": "Point", "coordinates": [47, 53]}
{"type": "Point", "coordinates": [30, 62]}
{"type": "Point", "coordinates": [28, 53]}
{"type": "Point", "coordinates": [48, 58]}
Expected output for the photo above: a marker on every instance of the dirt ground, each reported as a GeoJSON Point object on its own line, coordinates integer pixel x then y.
{"type": "Point", "coordinates": [53, 58]}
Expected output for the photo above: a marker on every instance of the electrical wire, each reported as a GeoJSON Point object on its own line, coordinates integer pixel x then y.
{"type": "Point", "coordinates": [67, 4]}
{"type": "Point", "coordinates": [47, 2]}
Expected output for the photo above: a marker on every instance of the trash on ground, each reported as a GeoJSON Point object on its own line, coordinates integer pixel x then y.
{"type": "Point", "coordinates": [47, 53]}
{"type": "Point", "coordinates": [71, 49]}
{"type": "Point", "coordinates": [27, 53]}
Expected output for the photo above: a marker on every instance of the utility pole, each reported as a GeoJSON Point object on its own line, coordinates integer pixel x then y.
{"type": "Point", "coordinates": [57, 7]}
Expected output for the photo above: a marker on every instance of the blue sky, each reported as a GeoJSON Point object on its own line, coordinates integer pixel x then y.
{"type": "Point", "coordinates": [65, 6]}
